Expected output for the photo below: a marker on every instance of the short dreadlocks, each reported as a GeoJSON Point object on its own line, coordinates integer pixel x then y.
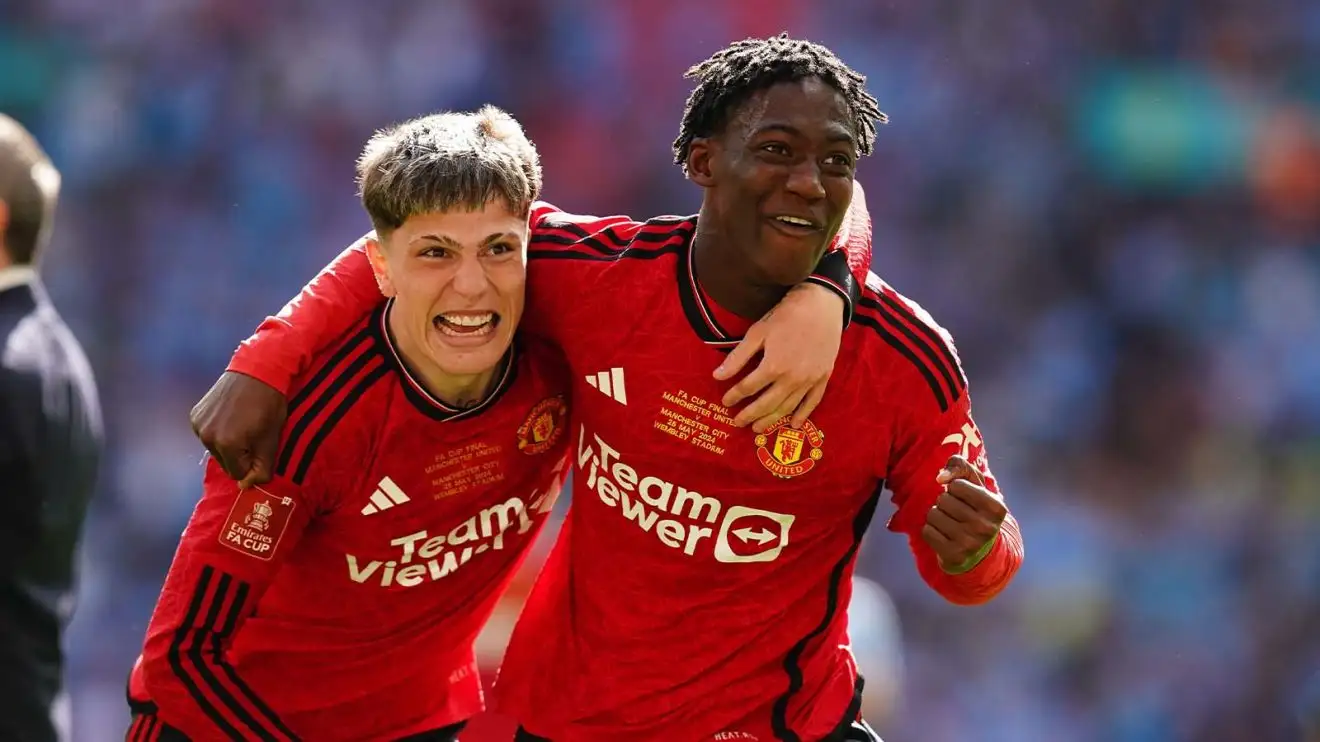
{"type": "Point", "coordinates": [735, 72]}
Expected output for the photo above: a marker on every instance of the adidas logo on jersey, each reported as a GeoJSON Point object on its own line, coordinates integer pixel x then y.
{"type": "Point", "coordinates": [610, 383]}
{"type": "Point", "coordinates": [386, 496]}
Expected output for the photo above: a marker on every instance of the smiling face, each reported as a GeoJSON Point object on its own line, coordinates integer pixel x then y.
{"type": "Point", "coordinates": [779, 176]}
{"type": "Point", "coordinates": [458, 280]}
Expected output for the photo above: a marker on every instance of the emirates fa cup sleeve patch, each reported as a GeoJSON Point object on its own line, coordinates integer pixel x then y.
{"type": "Point", "coordinates": [256, 523]}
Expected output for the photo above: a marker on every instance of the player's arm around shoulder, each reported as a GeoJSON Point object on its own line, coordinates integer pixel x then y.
{"type": "Point", "coordinates": [233, 546]}
{"type": "Point", "coordinates": [330, 304]}
{"type": "Point", "coordinates": [799, 339]}
{"type": "Point", "coordinates": [966, 543]}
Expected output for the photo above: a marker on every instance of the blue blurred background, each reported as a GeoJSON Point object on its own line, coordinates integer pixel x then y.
{"type": "Point", "coordinates": [1113, 205]}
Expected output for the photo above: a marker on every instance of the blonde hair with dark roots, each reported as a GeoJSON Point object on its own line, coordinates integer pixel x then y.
{"type": "Point", "coordinates": [447, 161]}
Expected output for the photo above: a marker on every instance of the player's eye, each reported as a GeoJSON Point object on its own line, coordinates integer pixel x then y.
{"type": "Point", "coordinates": [839, 160]}
{"type": "Point", "coordinates": [434, 251]}
{"type": "Point", "coordinates": [501, 248]}
{"type": "Point", "coordinates": [775, 148]}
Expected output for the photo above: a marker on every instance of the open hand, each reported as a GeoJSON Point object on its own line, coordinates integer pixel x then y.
{"type": "Point", "coordinates": [800, 340]}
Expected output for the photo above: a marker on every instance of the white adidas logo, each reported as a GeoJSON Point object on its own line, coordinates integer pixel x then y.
{"type": "Point", "coordinates": [386, 496]}
{"type": "Point", "coordinates": [610, 383]}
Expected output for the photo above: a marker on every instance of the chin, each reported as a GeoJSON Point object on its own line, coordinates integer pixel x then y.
{"type": "Point", "coordinates": [787, 276]}
{"type": "Point", "coordinates": [786, 268]}
{"type": "Point", "coordinates": [469, 361]}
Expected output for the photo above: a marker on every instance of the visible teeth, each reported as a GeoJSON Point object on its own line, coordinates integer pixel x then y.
{"type": "Point", "coordinates": [468, 320]}
{"type": "Point", "coordinates": [455, 332]}
{"type": "Point", "coordinates": [794, 221]}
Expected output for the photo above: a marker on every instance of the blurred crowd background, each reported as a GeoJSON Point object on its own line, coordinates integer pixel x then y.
{"type": "Point", "coordinates": [1113, 205]}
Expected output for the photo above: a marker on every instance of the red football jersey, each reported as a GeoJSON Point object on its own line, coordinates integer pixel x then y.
{"type": "Point", "coordinates": [704, 600]}
{"type": "Point", "coordinates": [700, 585]}
{"type": "Point", "coordinates": [341, 600]}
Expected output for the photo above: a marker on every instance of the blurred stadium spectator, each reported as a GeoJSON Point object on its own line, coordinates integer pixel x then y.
{"type": "Point", "coordinates": [51, 440]}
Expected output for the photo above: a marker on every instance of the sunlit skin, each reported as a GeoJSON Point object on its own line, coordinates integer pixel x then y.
{"type": "Point", "coordinates": [778, 179]}
{"type": "Point", "coordinates": [458, 280]}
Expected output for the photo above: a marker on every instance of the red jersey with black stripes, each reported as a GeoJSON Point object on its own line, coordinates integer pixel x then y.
{"type": "Point", "coordinates": [341, 600]}
{"type": "Point", "coordinates": [698, 590]}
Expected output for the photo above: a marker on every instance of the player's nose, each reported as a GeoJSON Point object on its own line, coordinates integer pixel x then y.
{"type": "Point", "coordinates": [470, 279]}
{"type": "Point", "coordinates": [804, 181]}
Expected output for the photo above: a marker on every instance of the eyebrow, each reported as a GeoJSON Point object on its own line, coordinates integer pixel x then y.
{"type": "Point", "coordinates": [448, 241]}
{"type": "Point", "coordinates": [836, 134]}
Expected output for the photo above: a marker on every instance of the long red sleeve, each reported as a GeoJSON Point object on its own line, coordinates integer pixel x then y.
{"type": "Point", "coordinates": [985, 580]}
{"type": "Point", "coordinates": [329, 305]}
{"type": "Point", "coordinates": [230, 551]}
{"type": "Point", "coordinates": [854, 237]}
{"type": "Point", "coordinates": [928, 438]}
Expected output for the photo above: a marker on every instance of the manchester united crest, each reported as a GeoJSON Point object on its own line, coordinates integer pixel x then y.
{"type": "Point", "coordinates": [787, 452]}
{"type": "Point", "coordinates": [544, 425]}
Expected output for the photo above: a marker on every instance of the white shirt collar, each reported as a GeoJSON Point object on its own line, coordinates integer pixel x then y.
{"type": "Point", "coordinates": [16, 275]}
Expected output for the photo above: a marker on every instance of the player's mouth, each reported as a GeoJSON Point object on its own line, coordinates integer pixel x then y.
{"type": "Point", "coordinates": [796, 226]}
{"type": "Point", "coordinates": [466, 325]}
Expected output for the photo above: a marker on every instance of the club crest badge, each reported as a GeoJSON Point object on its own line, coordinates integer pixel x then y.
{"type": "Point", "coordinates": [788, 453]}
{"type": "Point", "coordinates": [544, 425]}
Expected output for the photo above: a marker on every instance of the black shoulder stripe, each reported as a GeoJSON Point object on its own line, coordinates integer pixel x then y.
{"type": "Point", "coordinates": [299, 424]}
{"type": "Point", "coordinates": [652, 230]}
{"type": "Point", "coordinates": [893, 341]}
{"type": "Point", "coordinates": [544, 237]}
{"type": "Point", "coordinates": [951, 375]}
{"type": "Point", "coordinates": [938, 341]}
{"type": "Point", "coordinates": [607, 241]}
{"type": "Point", "coordinates": [349, 347]}
{"type": "Point", "coordinates": [337, 414]}
{"type": "Point", "coordinates": [632, 252]}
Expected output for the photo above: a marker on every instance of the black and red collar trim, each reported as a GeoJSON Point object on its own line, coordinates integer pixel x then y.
{"type": "Point", "coordinates": [425, 402]}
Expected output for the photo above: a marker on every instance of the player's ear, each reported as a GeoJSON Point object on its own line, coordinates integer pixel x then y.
{"type": "Point", "coordinates": [380, 266]}
{"type": "Point", "coordinates": [701, 153]}
{"type": "Point", "coordinates": [526, 238]}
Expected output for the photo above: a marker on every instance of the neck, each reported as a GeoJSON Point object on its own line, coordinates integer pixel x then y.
{"type": "Point", "coordinates": [456, 390]}
{"type": "Point", "coordinates": [719, 265]}
{"type": "Point", "coordinates": [461, 392]}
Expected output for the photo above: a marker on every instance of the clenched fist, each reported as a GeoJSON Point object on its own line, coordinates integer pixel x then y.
{"type": "Point", "coordinates": [965, 520]}
{"type": "Point", "coordinates": [239, 422]}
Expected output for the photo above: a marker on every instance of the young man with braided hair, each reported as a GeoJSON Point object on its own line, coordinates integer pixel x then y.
{"type": "Point", "coordinates": [697, 590]}
{"type": "Point", "coordinates": [646, 636]}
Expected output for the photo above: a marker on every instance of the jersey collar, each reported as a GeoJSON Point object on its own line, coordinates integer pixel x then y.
{"type": "Point", "coordinates": [425, 402]}
{"type": "Point", "coordinates": [699, 312]}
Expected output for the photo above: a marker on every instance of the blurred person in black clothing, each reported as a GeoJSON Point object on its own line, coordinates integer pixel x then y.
{"type": "Point", "coordinates": [50, 444]}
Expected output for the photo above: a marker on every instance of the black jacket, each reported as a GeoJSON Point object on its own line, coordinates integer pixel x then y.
{"type": "Point", "coordinates": [50, 446]}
